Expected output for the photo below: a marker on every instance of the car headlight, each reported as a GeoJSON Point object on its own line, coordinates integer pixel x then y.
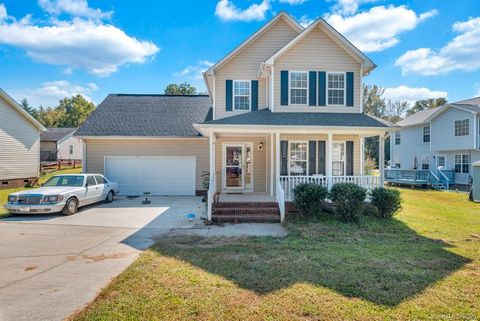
{"type": "Point", "coordinates": [12, 198]}
{"type": "Point", "coordinates": [52, 199]}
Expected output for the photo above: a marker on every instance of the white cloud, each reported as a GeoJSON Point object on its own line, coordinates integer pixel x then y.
{"type": "Point", "coordinates": [50, 92]}
{"type": "Point", "coordinates": [378, 28]}
{"type": "Point", "coordinates": [461, 53]}
{"type": "Point", "coordinates": [77, 8]}
{"type": "Point", "coordinates": [3, 12]}
{"type": "Point", "coordinates": [293, 2]}
{"type": "Point", "coordinates": [305, 21]}
{"type": "Point", "coordinates": [77, 44]}
{"type": "Point", "coordinates": [228, 11]}
{"type": "Point", "coordinates": [194, 72]}
{"type": "Point", "coordinates": [348, 7]}
{"type": "Point", "coordinates": [412, 94]}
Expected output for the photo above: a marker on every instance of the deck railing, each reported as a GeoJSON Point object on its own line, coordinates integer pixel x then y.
{"type": "Point", "coordinates": [288, 183]}
{"type": "Point", "coordinates": [436, 178]}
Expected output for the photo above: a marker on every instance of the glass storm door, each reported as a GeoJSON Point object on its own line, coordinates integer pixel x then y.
{"type": "Point", "coordinates": [234, 166]}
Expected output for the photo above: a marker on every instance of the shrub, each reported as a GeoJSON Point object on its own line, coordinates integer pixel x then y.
{"type": "Point", "coordinates": [348, 198]}
{"type": "Point", "coordinates": [388, 201]}
{"type": "Point", "coordinates": [309, 198]}
{"type": "Point", "coordinates": [370, 210]}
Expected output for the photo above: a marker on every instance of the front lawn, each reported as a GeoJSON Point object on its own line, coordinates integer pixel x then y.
{"type": "Point", "coordinates": [424, 265]}
{"type": "Point", "coordinates": [5, 192]}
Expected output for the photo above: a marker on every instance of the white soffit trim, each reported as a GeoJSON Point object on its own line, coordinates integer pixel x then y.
{"type": "Point", "coordinates": [19, 109]}
{"type": "Point", "coordinates": [368, 64]}
{"type": "Point", "coordinates": [282, 15]}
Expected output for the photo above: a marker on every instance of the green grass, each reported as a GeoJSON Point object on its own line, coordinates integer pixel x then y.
{"type": "Point", "coordinates": [425, 265]}
{"type": "Point", "coordinates": [5, 192]}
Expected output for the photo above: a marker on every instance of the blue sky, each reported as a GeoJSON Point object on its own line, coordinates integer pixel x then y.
{"type": "Point", "coordinates": [52, 48]}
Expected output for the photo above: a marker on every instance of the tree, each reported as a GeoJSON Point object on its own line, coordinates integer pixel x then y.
{"type": "Point", "coordinates": [180, 89]}
{"type": "Point", "coordinates": [29, 109]}
{"type": "Point", "coordinates": [395, 110]}
{"type": "Point", "coordinates": [373, 102]}
{"type": "Point", "coordinates": [426, 104]}
{"type": "Point", "coordinates": [70, 112]}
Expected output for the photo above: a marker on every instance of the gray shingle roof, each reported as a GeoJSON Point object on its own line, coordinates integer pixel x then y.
{"type": "Point", "coordinates": [55, 134]}
{"type": "Point", "coordinates": [266, 117]}
{"type": "Point", "coordinates": [470, 101]}
{"type": "Point", "coordinates": [147, 115]}
{"type": "Point", "coordinates": [418, 118]}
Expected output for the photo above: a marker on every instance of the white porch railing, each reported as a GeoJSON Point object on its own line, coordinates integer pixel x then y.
{"type": "Point", "coordinates": [288, 183]}
{"type": "Point", "coordinates": [281, 200]}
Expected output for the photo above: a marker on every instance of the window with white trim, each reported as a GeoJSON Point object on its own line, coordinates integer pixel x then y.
{"type": "Point", "coordinates": [461, 127]}
{"type": "Point", "coordinates": [441, 161]}
{"type": "Point", "coordinates": [70, 149]}
{"type": "Point", "coordinates": [241, 95]}
{"type": "Point", "coordinates": [298, 87]}
{"type": "Point", "coordinates": [426, 134]}
{"type": "Point", "coordinates": [338, 159]}
{"type": "Point", "coordinates": [425, 162]}
{"type": "Point", "coordinates": [297, 160]}
{"type": "Point", "coordinates": [397, 138]}
{"type": "Point", "coordinates": [336, 88]}
{"type": "Point", "coordinates": [462, 163]}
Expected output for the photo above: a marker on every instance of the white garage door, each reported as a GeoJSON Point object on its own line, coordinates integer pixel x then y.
{"type": "Point", "coordinates": [158, 175]}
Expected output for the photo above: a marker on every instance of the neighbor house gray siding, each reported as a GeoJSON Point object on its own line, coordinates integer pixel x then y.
{"type": "Point", "coordinates": [443, 131]}
{"type": "Point", "coordinates": [411, 146]}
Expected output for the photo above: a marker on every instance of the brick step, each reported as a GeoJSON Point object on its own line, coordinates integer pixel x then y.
{"type": "Point", "coordinates": [246, 218]}
{"type": "Point", "coordinates": [245, 210]}
{"type": "Point", "coordinates": [241, 204]}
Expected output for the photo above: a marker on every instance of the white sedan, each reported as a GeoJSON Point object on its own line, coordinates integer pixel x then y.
{"type": "Point", "coordinates": [63, 193]}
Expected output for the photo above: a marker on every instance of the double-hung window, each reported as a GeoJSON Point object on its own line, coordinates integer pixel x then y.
{"type": "Point", "coordinates": [336, 88]}
{"type": "Point", "coordinates": [461, 127]}
{"type": "Point", "coordinates": [426, 134]}
{"type": "Point", "coordinates": [241, 95]}
{"type": "Point", "coordinates": [298, 87]}
{"type": "Point", "coordinates": [462, 163]}
{"type": "Point", "coordinates": [298, 158]}
{"type": "Point", "coordinates": [425, 162]}
{"type": "Point", "coordinates": [397, 138]}
{"type": "Point", "coordinates": [338, 159]}
{"type": "Point", "coordinates": [70, 149]}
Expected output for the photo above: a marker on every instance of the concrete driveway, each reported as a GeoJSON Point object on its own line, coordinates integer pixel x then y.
{"type": "Point", "coordinates": [52, 265]}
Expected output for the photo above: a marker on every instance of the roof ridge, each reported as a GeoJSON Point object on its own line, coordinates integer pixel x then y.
{"type": "Point", "coordinates": [159, 95]}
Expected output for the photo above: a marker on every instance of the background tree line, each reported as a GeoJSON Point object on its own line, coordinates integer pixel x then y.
{"type": "Point", "coordinates": [393, 111]}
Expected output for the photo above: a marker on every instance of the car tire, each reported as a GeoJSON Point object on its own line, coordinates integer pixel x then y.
{"type": "Point", "coordinates": [109, 197]}
{"type": "Point", "coordinates": [70, 207]}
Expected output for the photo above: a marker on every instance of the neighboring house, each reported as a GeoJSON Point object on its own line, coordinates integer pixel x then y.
{"type": "Point", "coordinates": [284, 107]}
{"type": "Point", "coordinates": [19, 144]}
{"type": "Point", "coordinates": [445, 137]}
{"type": "Point", "coordinates": [59, 143]}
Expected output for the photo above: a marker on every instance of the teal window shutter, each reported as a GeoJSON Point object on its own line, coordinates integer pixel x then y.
{"type": "Point", "coordinates": [254, 95]}
{"type": "Point", "coordinates": [284, 87]}
{"type": "Point", "coordinates": [349, 89]}
{"type": "Point", "coordinates": [349, 154]}
{"type": "Point", "coordinates": [312, 157]}
{"type": "Point", "coordinates": [228, 95]}
{"type": "Point", "coordinates": [312, 88]}
{"type": "Point", "coordinates": [322, 88]}
{"type": "Point", "coordinates": [284, 157]}
{"type": "Point", "coordinates": [322, 157]}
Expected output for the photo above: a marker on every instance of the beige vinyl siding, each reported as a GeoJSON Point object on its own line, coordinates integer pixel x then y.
{"type": "Point", "coordinates": [245, 65]}
{"type": "Point", "coordinates": [97, 149]}
{"type": "Point", "coordinates": [260, 158]}
{"type": "Point", "coordinates": [19, 144]}
{"type": "Point", "coordinates": [64, 148]}
{"type": "Point", "coordinates": [317, 52]}
{"type": "Point", "coordinates": [48, 146]}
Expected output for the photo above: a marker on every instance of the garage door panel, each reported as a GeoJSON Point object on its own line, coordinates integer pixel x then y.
{"type": "Point", "coordinates": [156, 175]}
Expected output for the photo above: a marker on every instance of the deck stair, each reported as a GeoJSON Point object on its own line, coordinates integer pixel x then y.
{"type": "Point", "coordinates": [243, 212]}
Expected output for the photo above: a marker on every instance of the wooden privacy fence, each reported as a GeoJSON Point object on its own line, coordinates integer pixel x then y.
{"type": "Point", "coordinates": [60, 164]}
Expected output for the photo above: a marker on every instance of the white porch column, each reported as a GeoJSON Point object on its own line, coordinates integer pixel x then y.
{"type": "Point", "coordinates": [277, 157]}
{"type": "Point", "coordinates": [213, 179]}
{"type": "Point", "coordinates": [272, 165]}
{"type": "Point", "coordinates": [329, 165]}
{"type": "Point", "coordinates": [381, 158]}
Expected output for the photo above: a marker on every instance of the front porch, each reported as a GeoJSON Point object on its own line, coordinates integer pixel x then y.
{"type": "Point", "coordinates": [263, 169]}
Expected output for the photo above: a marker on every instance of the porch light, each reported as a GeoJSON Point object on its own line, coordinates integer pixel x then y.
{"type": "Point", "coordinates": [260, 146]}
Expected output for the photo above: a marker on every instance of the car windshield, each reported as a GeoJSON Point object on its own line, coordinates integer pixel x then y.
{"type": "Point", "coordinates": [70, 180]}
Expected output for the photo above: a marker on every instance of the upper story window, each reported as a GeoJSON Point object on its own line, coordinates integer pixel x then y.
{"type": "Point", "coordinates": [241, 95]}
{"type": "Point", "coordinates": [397, 138]}
{"type": "Point", "coordinates": [461, 127]}
{"type": "Point", "coordinates": [298, 87]}
{"type": "Point", "coordinates": [426, 134]}
{"type": "Point", "coordinates": [336, 88]}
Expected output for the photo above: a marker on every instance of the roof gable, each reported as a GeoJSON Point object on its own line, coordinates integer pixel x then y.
{"type": "Point", "coordinates": [281, 16]}
{"type": "Point", "coordinates": [56, 134]}
{"type": "Point", "coordinates": [11, 102]}
{"type": "Point", "coordinates": [368, 64]}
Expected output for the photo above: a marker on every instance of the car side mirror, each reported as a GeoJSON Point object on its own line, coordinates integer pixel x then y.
{"type": "Point", "coordinates": [86, 184]}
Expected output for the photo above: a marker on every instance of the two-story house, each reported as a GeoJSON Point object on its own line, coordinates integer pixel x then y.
{"type": "Point", "coordinates": [284, 107]}
{"type": "Point", "coordinates": [445, 137]}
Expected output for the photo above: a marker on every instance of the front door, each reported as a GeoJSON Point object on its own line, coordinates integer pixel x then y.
{"type": "Point", "coordinates": [237, 160]}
